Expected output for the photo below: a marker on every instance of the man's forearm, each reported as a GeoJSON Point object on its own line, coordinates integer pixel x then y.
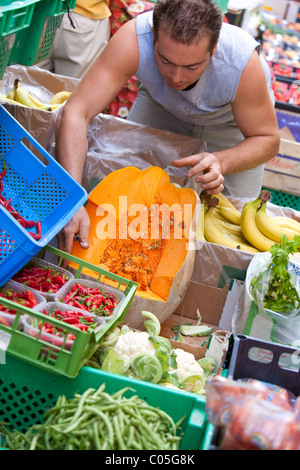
{"type": "Point", "coordinates": [71, 145]}
{"type": "Point", "coordinates": [248, 154]}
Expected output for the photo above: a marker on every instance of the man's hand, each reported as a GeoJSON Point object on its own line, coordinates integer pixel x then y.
{"type": "Point", "coordinates": [206, 169]}
{"type": "Point", "coordinates": [79, 224]}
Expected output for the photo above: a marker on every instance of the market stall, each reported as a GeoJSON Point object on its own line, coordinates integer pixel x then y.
{"type": "Point", "coordinates": [184, 340]}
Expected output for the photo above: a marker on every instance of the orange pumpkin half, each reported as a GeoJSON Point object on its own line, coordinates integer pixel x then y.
{"type": "Point", "coordinates": [142, 228]}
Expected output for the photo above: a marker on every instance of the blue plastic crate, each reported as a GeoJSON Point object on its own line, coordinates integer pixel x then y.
{"type": "Point", "coordinates": [41, 190]}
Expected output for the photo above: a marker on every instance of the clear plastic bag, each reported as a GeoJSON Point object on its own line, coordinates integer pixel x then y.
{"type": "Point", "coordinates": [252, 415]}
{"type": "Point", "coordinates": [260, 285]}
{"type": "Point", "coordinates": [222, 393]}
{"type": "Point", "coordinates": [256, 424]}
{"type": "Point", "coordinates": [261, 322]}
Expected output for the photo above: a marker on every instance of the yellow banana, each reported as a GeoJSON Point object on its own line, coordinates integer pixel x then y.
{"type": "Point", "coordinates": [219, 216]}
{"type": "Point", "coordinates": [233, 216]}
{"type": "Point", "coordinates": [11, 94]}
{"type": "Point", "coordinates": [22, 96]}
{"type": "Point", "coordinates": [287, 222]}
{"type": "Point", "coordinates": [234, 229]}
{"type": "Point", "coordinates": [225, 202]}
{"type": "Point", "coordinates": [269, 228]}
{"type": "Point", "coordinates": [60, 97]}
{"type": "Point", "coordinates": [231, 228]}
{"type": "Point", "coordinates": [215, 233]}
{"type": "Point", "coordinates": [7, 100]}
{"type": "Point", "coordinates": [249, 228]}
{"type": "Point", "coordinates": [199, 235]}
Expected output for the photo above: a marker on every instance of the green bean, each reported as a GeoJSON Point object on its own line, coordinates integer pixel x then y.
{"type": "Point", "coordinates": [99, 420]}
{"type": "Point", "coordinates": [130, 435]}
{"type": "Point", "coordinates": [47, 439]}
{"type": "Point", "coordinates": [96, 437]}
{"type": "Point", "coordinates": [118, 435]}
{"type": "Point", "coordinates": [33, 442]}
{"type": "Point", "coordinates": [106, 420]}
{"type": "Point", "coordinates": [81, 403]}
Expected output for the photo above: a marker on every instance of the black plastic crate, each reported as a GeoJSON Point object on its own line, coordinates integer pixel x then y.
{"type": "Point", "coordinates": [266, 361]}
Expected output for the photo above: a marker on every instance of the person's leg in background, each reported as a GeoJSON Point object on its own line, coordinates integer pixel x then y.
{"type": "Point", "coordinates": [76, 49]}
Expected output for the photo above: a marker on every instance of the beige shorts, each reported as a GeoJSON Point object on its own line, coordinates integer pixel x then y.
{"type": "Point", "coordinates": [75, 50]}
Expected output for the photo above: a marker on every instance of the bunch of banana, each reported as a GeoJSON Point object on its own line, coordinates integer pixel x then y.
{"type": "Point", "coordinates": [258, 227]}
{"type": "Point", "coordinates": [19, 96]}
{"type": "Point", "coordinates": [219, 230]}
{"type": "Point", "coordinates": [252, 229]}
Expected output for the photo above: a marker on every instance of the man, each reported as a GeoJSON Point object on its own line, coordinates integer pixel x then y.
{"type": "Point", "coordinates": [200, 77]}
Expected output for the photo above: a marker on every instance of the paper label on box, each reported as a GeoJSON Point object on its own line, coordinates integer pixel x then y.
{"type": "Point", "coordinates": [4, 343]}
{"type": "Point", "coordinates": [4, 340]}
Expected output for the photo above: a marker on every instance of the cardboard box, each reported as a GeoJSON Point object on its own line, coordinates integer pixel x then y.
{"type": "Point", "coordinates": [282, 173]}
{"type": "Point", "coordinates": [43, 85]}
{"type": "Point", "coordinates": [209, 291]}
{"type": "Point", "coordinates": [212, 301]}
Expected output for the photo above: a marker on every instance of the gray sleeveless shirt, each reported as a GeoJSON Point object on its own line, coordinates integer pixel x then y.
{"type": "Point", "coordinates": [208, 103]}
{"type": "Point", "coordinates": [204, 111]}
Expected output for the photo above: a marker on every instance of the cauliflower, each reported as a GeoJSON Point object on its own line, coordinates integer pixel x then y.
{"type": "Point", "coordinates": [132, 343]}
{"type": "Point", "coordinates": [186, 364]}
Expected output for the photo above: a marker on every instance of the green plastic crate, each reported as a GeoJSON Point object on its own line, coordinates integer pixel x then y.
{"type": "Point", "coordinates": [14, 17]}
{"type": "Point", "coordinates": [27, 392]}
{"type": "Point", "coordinates": [6, 46]}
{"type": "Point", "coordinates": [36, 43]}
{"type": "Point", "coordinates": [284, 199]}
{"type": "Point", "coordinates": [57, 358]}
{"type": "Point", "coordinates": [222, 4]}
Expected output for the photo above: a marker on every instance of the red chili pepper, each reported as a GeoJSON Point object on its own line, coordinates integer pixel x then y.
{"type": "Point", "coordinates": [7, 203]}
{"type": "Point", "coordinates": [29, 223]}
{"type": "Point", "coordinates": [83, 290]}
{"type": "Point", "coordinates": [34, 285]}
{"type": "Point", "coordinates": [31, 298]}
{"type": "Point", "coordinates": [35, 236]}
{"type": "Point", "coordinates": [4, 169]}
{"type": "Point", "coordinates": [3, 322]}
{"type": "Point", "coordinates": [79, 305]}
{"type": "Point", "coordinates": [14, 213]}
{"type": "Point", "coordinates": [59, 280]}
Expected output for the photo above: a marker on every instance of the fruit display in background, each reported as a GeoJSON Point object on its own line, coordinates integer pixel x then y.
{"type": "Point", "coordinates": [142, 228]}
{"type": "Point", "coordinates": [18, 95]}
{"type": "Point", "coordinates": [252, 229]}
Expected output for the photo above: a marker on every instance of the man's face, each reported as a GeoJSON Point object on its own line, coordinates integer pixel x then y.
{"type": "Point", "coordinates": [179, 64]}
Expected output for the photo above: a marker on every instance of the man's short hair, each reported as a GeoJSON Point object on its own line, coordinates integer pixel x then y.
{"type": "Point", "coordinates": [188, 21]}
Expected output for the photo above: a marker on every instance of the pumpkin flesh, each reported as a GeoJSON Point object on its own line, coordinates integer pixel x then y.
{"type": "Point", "coordinates": [149, 250]}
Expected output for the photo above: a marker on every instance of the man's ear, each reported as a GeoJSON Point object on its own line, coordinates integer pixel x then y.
{"type": "Point", "coordinates": [153, 40]}
{"type": "Point", "coordinates": [215, 48]}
